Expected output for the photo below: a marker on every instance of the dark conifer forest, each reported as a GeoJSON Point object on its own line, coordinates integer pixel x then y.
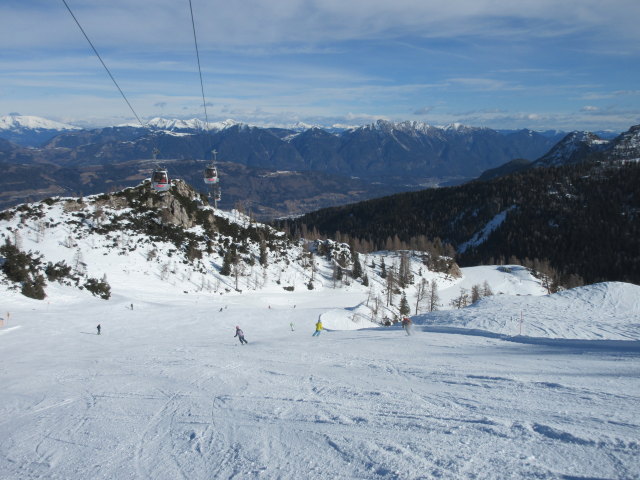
{"type": "Point", "coordinates": [582, 220]}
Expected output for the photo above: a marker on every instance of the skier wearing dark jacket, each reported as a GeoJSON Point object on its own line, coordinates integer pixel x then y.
{"type": "Point", "coordinates": [240, 336]}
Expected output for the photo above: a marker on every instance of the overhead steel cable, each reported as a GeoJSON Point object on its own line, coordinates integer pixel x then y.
{"type": "Point", "coordinates": [204, 102]}
{"type": "Point", "coordinates": [215, 187]}
{"type": "Point", "coordinates": [103, 64]}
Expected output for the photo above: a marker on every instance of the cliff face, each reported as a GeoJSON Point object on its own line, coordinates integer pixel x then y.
{"type": "Point", "coordinates": [627, 145]}
{"type": "Point", "coordinates": [180, 206]}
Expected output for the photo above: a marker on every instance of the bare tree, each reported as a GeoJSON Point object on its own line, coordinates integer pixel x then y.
{"type": "Point", "coordinates": [237, 269]}
{"type": "Point", "coordinates": [475, 293]}
{"type": "Point", "coordinates": [40, 230]}
{"type": "Point", "coordinates": [78, 262]}
{"type": "Point", "coordinates": [461, 300]}
{"type": "Point", "coordinates": [164, 271]}
{"type": "Point", "coordinates": [421, 293]}
{"type": "Point", "coordinates": [432, 297]}
{"type": "Point", "coordinates": [391, 286]}
{"type": "Point", "coordinates": [486, 289]}
{"type": "Point", "coordinates": [404, 270]}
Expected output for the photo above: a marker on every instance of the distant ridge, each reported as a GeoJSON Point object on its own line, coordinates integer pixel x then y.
{"type": "Point", "coordinates": [31, 131]}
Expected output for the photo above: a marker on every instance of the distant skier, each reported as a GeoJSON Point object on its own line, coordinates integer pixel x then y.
{"type": "Point", "coordinates": [240, 335]}
{"type": "Point", "coordinates": [98, 328]}
{"type": "Point", "coordinates": [318, 328]}
{"type": "Point", "coordinates": [291, 325]}
{"type": "Point", "coordinates": [406, 324]}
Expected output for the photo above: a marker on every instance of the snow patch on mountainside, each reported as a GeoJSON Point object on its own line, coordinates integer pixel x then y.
{"type": "Point", "coordinates": [482, 236]}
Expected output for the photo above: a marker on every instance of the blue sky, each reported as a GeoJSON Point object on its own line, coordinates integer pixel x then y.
{"type": "Point", "coordinates": [539, 64]}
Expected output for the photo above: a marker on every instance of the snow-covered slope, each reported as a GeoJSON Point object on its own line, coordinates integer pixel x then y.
{"type": "Point", "coordinates": [148, 241]}
{"type": "Point", "coordinates": [604, 311]}
{"type": "Point", "coordinates": [167, 392]}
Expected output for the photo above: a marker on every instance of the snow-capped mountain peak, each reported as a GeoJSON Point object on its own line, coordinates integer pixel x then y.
{"type": "Point", "coordinates": [572, 148]}
{"type": "Point", "coordinates": [17, 122]}
{"type": "Point", "coordinates": [627, 145]}
{"type": "Point", "coordinates": [181, 125]}
{"type": "Point", "coordinates": [31, 131]}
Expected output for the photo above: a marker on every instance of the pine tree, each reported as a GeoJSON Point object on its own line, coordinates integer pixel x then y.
{"type": "Point", "coordinates": [227, 261]}
{"type": "Point", "coordinates": [34, 288]}
{"type": "Point", "coordinates": [264, 257]}
{"type": "Point", "coordinates": [404, 305]}
{"type": "Point", "coordinates": [357, 267]}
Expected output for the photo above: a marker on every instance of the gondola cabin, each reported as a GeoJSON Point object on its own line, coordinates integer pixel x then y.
{"type": "Point", "coordinates": [211, 175]}
{"type": "Point", "coordinates": [160, 180]}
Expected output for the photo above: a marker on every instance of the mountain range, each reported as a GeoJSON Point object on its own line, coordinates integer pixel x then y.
{"type": "Point", "coordinates": [273, 171]}
{"type": "Point", "coordinates": [582, 213]}
{"type": "Point", "coordinates": [332, 166]}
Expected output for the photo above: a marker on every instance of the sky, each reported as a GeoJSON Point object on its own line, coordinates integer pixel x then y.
{"type": "Point", "coordinates": [540, 64]}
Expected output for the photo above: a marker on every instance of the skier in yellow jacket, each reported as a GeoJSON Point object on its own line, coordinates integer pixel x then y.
{"type": "Point", "coordinates": [318, 328]}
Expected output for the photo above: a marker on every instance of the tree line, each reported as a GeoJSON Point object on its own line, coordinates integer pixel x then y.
{"type": "Point", "coordinates": [578, 223]}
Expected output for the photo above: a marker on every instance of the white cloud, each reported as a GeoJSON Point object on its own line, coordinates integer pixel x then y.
{"type": "Point", "coordinates": [163, 24]}
{"type": "Point", "coordinates": [313, 59]}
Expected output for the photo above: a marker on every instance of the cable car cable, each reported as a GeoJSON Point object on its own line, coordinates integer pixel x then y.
{"type": "Point", "coordinates": [103, 64]}
{"type": "Point", "coordinates": [195, 41]}
{"type": "Point", "coordinates": [158, 169]}
{"type": "Point", "coordinates": [215, 189]}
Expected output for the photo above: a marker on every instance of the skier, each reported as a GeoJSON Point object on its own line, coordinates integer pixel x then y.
{"type": "Point", "coordinates": [291, 325]}
{"type": "Point", "coordinates": [406, 324]}
{"type": "Point", "coordinates": [98, 328]}
{"type": "Point", "coordinates": [318, 328]}
{"type": "Point", "coordinates": [240, 336]}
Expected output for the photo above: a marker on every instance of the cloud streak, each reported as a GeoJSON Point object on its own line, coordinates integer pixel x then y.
{"type": "Point", "coordinates": [529, 61]}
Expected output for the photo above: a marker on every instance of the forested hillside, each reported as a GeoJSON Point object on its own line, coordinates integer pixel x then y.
{"type": "Point", "coordinates": [584, 219]}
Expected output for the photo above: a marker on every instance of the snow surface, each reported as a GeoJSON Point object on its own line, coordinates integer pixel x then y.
{"type": "Point", "coordinates": [167, 392]}
{"type": "Point", "coordinates": [603, 311]}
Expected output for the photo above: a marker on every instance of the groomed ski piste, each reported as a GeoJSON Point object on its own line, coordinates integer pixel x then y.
{"type": "Point", "coordinates": [520, 385]}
